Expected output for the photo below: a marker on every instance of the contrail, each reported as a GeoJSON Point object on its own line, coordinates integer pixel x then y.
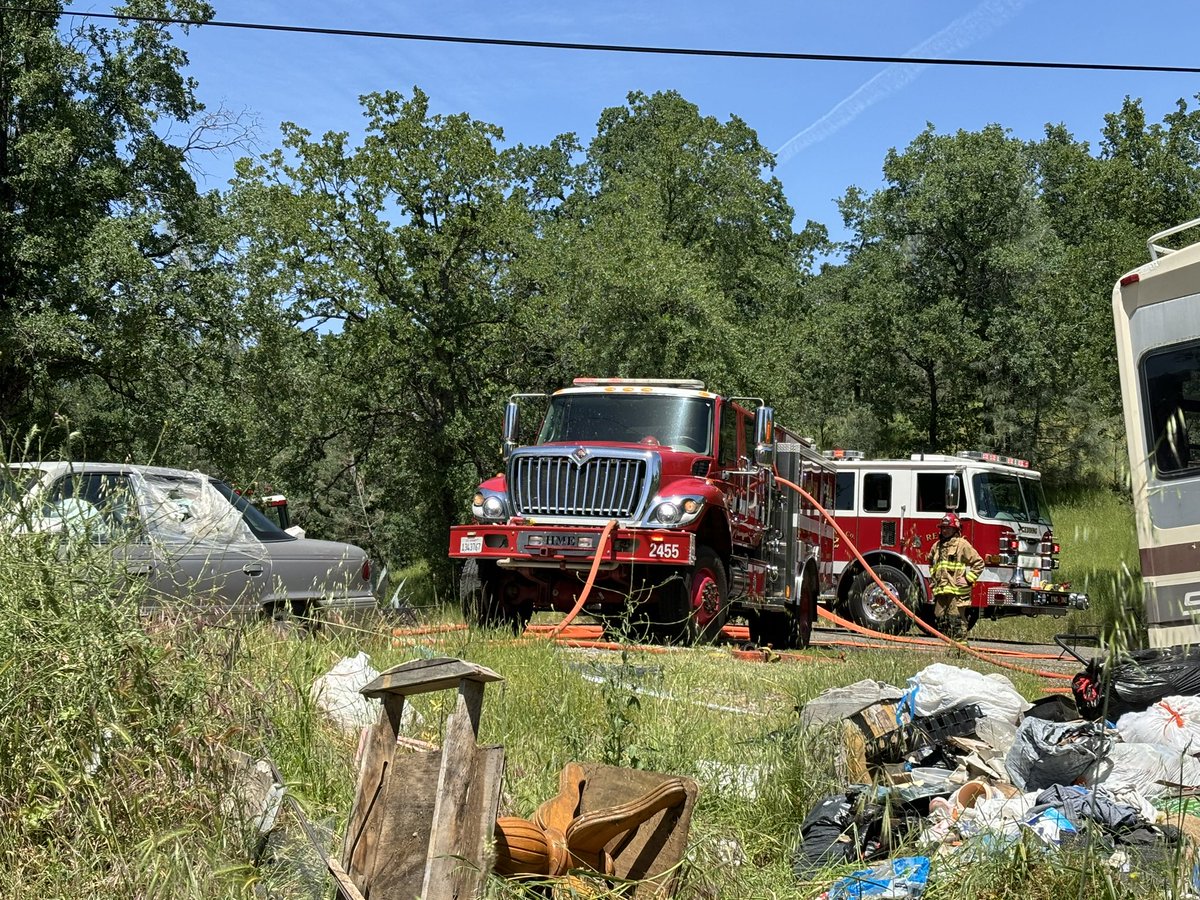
{"type": "Point", "coordinates": [956, 36]}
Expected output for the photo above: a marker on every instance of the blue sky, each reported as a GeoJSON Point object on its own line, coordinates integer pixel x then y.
{"type": "Point", "coordinates": [831, 122]}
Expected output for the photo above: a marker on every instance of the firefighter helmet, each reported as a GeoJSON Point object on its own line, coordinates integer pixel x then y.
{"type": "Point", "coordinates": [950, 520]}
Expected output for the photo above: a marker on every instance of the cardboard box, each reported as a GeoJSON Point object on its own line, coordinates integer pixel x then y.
{"type": "Point", "coordinates": [865, 734]}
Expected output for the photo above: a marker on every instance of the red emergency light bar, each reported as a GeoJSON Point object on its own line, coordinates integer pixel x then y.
{"type": "Point", "coordinates": [656, 382]}
{"type": "Point", "coordinates": [838, 453]}
{"type": "Point", "coordinates": [995, 458]}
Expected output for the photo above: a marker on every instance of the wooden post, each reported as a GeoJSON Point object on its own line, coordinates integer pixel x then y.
{"type": "Point", "coordinates": [420, 821]}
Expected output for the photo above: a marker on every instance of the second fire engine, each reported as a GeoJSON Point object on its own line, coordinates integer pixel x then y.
{"type": "Point", "coordinates": [890, 509]}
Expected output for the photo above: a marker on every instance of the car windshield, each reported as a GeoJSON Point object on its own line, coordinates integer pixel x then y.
{"type": "Point", "coordinates": [681, 423]}
{"type": "Point", "coordinates": [264, 529]}
{"type": "Point", "coordinates": [1010, 497]}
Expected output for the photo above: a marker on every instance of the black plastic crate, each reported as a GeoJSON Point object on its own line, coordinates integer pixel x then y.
{"type": "Point", "coordinates": [924, 731]}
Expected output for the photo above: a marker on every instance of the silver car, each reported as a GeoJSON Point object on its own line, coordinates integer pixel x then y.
{"type": "Point", "coordinates": [192, 538]}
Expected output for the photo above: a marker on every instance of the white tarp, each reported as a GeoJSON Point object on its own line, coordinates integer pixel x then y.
{"type": "Point", "coordinates": [187, 509]}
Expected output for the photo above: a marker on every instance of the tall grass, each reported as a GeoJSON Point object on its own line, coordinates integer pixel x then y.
{"type": "Point", "coordinates": [1100, 558]}
{"type": "Point", "coordinates": [112, 733]}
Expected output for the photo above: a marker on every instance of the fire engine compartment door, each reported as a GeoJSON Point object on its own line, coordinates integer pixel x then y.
{"type": "Point", "coordinates": [783, 548]}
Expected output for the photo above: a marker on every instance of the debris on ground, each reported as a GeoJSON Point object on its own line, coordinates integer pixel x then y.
{"type": "Point", "coordinates": [420, 821]}
{"type": "Point", "coordinates": [338, 693]}
{"type": "Point", "coordinates": [958, 765]}
{"type": "Point", "coordinates": [605, 823]}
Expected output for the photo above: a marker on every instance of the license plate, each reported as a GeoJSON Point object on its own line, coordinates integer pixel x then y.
{"type": "Point", "coordinates": [470, 545]}
{"type": "Point", "coordinates": [556, 540]}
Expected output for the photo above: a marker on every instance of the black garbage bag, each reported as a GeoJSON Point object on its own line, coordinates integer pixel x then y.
{"type": "Point", "coordinates": [1048, 753]}
{"type": "Point", "coordinates": [1136, 681]}
{"type": "Point", "coordinates": [841, 828]}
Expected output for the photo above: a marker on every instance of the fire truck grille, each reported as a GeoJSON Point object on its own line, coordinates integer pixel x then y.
{"type": "Point", "coordinates": [557, 486]}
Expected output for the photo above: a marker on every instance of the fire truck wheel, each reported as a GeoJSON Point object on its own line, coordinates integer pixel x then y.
{"type": "Point", "coordinates": [872, 608]}
{"type": "Point", "coordinates": [706, 597]}
{"type": "Point", "coordinates": [478, 594]}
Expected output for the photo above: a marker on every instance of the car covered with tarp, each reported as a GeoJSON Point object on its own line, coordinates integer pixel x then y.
{"type": "Point", "coordinates": [192, 539]}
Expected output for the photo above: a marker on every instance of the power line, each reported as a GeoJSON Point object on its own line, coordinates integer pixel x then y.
{"type": "Point", "coordinates": [624, 48]}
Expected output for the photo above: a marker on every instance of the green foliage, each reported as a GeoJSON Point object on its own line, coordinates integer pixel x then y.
{"type": "Point", "coordinates": [110, 307]}
{"type": "Point", "coordinates": [109, 775]}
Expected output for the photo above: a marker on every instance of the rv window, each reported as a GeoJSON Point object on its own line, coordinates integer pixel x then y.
{"type": "Point", "coordinates": [877, 492]}
{"type": "Point", "coordinates": [845, 491]}
{"type": "Point", "coordinates": [1171, 382]}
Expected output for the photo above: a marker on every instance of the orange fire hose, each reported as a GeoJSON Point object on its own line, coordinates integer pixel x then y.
{"type": "Point", "coordinates": [899, 605]}
{"type": "Point", "coordinates": [555, 632]}
{"type": "Point", "coordinates": [605, 535]}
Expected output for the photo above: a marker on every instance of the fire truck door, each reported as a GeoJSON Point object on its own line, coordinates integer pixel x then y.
{"type": "Point", "coordinates": [844, 509]}
{"type": "Point", "coordinates": [757, 487]}
{"type": "Point", "coordinates": [745, 485]}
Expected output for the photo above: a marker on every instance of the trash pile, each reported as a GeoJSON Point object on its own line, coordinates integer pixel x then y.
{"type": "Point", "coordinates": [957, 766]}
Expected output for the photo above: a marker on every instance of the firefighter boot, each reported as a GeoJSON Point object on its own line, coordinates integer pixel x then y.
{"type": "Point", "coordinates": [952, 625]}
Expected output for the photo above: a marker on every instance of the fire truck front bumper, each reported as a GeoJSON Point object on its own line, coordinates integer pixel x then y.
{"type": "Point", "coordinates": [561, 546]}
{"type": "Point", "coordinates": [1025, 601]}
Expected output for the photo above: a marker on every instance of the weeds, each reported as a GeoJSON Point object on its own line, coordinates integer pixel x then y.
{"type": "Point", "coordinates": [110, 731]}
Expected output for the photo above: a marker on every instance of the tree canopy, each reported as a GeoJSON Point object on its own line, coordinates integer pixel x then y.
{"type": "Point", "coordinates": [346, 321]}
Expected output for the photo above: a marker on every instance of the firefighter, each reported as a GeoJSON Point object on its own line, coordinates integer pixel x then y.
{"type": "Point", "coordinates": [954, 565]}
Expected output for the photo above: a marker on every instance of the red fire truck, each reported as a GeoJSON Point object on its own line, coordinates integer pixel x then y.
{"type": "Point", "coordinates": [890, 509]}
{"type": "Point", "coordinates": [704, 530]}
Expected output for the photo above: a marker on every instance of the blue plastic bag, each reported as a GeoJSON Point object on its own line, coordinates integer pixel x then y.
{"type": "Point", "coordinates": [903, 877]}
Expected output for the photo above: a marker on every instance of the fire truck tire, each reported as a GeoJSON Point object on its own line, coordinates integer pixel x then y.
{"type": "Point", "coordinates": [871, 608]}
{"type": "Point", "coordinates": [481, 589]}
{"type": "Point", "coordinates": [705, 599]}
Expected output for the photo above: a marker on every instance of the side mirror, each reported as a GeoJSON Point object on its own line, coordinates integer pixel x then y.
{"type": "Point", "coordinates": [511, 426]}
{"type": "Point", "coordinates": [953, 491]}
{"type": "Point", "coordinates": [764, 436]}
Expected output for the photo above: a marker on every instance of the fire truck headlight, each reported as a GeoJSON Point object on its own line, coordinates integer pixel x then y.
{"type": "Point", "coordinates": [489, 507]}
{"type": "Point", "coordinates": [668, 513]}
{"type": "Point", "coordinates": [672, 511]}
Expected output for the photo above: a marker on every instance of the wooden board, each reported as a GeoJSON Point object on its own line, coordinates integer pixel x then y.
{"type": "Point", "coordinates": [358, 846]}
{"type": "Point", "coordinates": [397, 869]}
{"type": "Point", "coordinates": [420, 676]}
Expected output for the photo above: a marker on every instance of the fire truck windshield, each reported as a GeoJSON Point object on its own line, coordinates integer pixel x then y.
{"type": "Point", "coordinates": [1011, 497]}
{"type": "Point", "coordinates": [681, 423]}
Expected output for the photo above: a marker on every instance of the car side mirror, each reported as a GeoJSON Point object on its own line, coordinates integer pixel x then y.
{"type": "Point", "coordinates": [953, 491]}
{"type": "Point", "coordinates": [512, 421]}
{"type": "Point", "coordinates": [764, 436]}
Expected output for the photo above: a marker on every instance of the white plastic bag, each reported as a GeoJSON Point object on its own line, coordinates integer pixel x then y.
{"type": "Point", "coordinates": [1150, 769]}
{"type": "Point", "coordinates": [1172, 722]}
{"type": "Point", "coordinates": [836, 704]}
{"type": "Point", "coordinates": [940, 687]}
{"type": "Point", "coordinates": [337, 692]}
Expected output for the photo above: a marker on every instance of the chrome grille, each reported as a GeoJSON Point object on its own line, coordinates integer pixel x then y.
{"type": "Point", "coordinates": [600, 487]}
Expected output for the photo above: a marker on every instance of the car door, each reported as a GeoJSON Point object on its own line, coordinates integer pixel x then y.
{"type": "Point", "coordinates": [97, 509]}
{"type": "Point", "coordinates": [201, 554]}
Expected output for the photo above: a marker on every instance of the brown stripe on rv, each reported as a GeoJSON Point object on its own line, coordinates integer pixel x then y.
{"type": "Point", "coordinates": [1173, 560]}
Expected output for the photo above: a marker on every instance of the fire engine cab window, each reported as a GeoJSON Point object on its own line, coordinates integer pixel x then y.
{"type": "Point", "coordinates": [652, 420]}
{"type": "Point", "coordinates": [877, 492]}
{"type": "Point", "coordinates": [1171, 379]}
{"type": "Point", "coordinates": [845, 491]}
{"type": "Point", "coordinates": [1010, 498]}
{"type": "Point", "coordinates": [729, 438]}
{"type": "Point", "coordinates": [931, 493]}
